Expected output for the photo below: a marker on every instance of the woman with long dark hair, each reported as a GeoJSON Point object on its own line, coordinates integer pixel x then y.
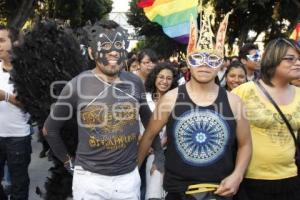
{"type": "Point", "coordinates": [159, 81]}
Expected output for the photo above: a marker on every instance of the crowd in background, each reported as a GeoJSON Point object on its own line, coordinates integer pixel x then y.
{"type": "Point", "coordinates": [272, 168]}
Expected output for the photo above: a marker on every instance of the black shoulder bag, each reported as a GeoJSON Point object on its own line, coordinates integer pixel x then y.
{"type": "Point", "coordinates": [297, 155]}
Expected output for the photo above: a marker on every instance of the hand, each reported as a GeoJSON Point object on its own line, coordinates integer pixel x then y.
{"type": "Point", "coordinates": [153, 168]}
{"type": "Point", "coordinates": [229, 186]}
{"type": "Point", "coordinates": [2, 95]}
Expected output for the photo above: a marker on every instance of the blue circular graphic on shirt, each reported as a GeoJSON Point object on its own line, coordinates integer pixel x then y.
{"type": "Point", "coordinates": [201, 136]}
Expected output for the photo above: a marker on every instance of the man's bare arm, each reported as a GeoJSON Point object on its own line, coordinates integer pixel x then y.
{"type": "Point", "coordinates": [230, 184]}
{"type": "Point", "coordinates": [157, 121]}
{"type": "Point", "coordinates": [244, 140]}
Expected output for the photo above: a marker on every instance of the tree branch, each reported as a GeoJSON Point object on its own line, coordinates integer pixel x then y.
{"type": "Point", "coordinates": [22, 13]}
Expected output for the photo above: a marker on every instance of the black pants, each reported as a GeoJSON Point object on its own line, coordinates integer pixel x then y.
{"type": "Point", "coordinates": [283, 189]}
{"type": "Point", "coordinates": [183, 196]}
{"type": "Point", "coordinates": [17, 152]}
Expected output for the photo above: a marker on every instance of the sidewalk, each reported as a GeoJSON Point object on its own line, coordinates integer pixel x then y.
{"type": "Point", "coordinates": [38, 169]}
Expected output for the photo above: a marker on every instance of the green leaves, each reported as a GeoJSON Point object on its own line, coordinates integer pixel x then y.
{"type": "Point", "coordinates": [17, 12]}
{"type": "Point", "coordinates": [273, 17]}
{"type": "Point", "coordinates": [154, 36]}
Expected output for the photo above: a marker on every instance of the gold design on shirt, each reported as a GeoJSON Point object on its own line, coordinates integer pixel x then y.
{"type": "Point", "coordinates": [109, 118]}
{"type": "Point", "coordinates": [106, 124]}
{"type": "Point", "coordinates": [112, 143]}
{"type": "Point", "coordinates": [262, 117]}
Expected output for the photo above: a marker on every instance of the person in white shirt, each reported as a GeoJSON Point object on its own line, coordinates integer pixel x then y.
{"type": "Point", "coordinates": [221, 72]}
{"type": "Point", "coordinates": [15, 139]}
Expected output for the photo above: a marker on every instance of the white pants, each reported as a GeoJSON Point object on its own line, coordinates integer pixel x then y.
{"type": "Point", "coordinates": [154, 182]}
{"type": "Point", "coordinates": [93, 186]}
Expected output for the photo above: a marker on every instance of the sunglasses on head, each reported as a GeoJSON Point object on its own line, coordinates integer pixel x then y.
{"type": "Point", "coordinates": [255, 57]}
{"type": "Point", "coordinates": [200, 59]}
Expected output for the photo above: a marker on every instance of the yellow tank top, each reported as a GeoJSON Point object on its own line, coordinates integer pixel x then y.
{"type": "Point", "coordinates": [273, 146]}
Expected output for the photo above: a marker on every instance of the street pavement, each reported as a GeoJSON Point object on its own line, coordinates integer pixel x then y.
{"type": "Point", "coordinates": [38, 169]}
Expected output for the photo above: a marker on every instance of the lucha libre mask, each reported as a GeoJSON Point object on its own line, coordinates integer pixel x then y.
{"type": "Point", "coordinates": [103, 41]}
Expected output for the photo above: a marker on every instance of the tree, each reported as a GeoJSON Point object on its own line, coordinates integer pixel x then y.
{"type": "Point", "coordinates": [275, 18]}
{"type": "Point", "coordinates": [78, 12]}
{"type": "Point", "coordinates": [95, 9]}
{"type": "Point", "coordinates": [81, 11]}
{"type": "Point", "coordinates": [154, 35]}
{"type": "Point", "coordinates": [69, 10]}
{"type": "Point", "coordinates": [17, 12]}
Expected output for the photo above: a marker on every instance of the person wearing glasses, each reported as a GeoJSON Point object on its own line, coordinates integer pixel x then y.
{"type": "Point", "coordinates": [160, 80]}
{"type": "Point", "coordinates": [208, 137]}
{"type": "Point", "coordinates": [250, 56]}
{"type": "Point", "coordinates": [147, 59]}
{"type": "Point", "coordinates": [272, 173]}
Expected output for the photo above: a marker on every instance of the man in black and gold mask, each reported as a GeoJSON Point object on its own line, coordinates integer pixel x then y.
{"type": "Point", "coordinates": [108, 102]}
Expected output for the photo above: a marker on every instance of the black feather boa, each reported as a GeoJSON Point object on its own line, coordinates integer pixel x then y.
{"type": "Point", "coordinates": [48, 54]}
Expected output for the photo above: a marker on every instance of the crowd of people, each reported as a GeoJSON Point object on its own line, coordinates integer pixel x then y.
{"type": "Point", "coordinates": [153, 130]}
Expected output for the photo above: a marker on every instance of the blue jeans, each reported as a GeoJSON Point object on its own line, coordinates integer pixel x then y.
{"type": "Point", "coordinates": [6, 177]}
{"type": "Point", "coordinates": [16, 151]}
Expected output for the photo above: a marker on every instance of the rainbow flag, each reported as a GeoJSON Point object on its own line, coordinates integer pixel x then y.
{"type": "Point", "coordinates": [296, 34]}
{"type": "Point", "coordinates": [172, 15]}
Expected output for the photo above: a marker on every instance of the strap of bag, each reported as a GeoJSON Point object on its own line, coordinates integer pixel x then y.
{"type": "Point", "coordinates": [222, 78]}
{"type": "Point", "coordinates": [280, 113]}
